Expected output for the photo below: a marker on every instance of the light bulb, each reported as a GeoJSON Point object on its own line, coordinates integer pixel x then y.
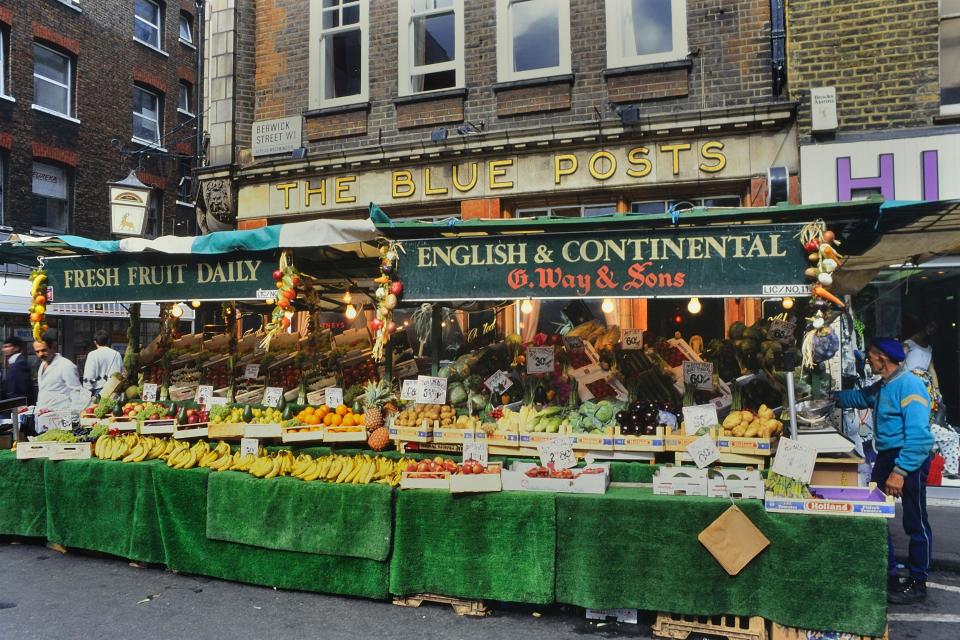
{"type": "Point", "coordinates": [351, 312]}
{"type": "Point", "coordinates": [526, 307]}
{"type": "Point", "coordinates": [269, 300]}
{"type": "Point", "coordinates": [788, 303]}
{"type": "Point", "coordinates": [694, 306]}
{"type": "Point", "coordinates": [607, 306]}
{"type": "Point", "coordinates": [176, 310]}
{"type": "Point", "coordinates": [195, 304]}
{"type": "Point", "coordinates": [347, 297]}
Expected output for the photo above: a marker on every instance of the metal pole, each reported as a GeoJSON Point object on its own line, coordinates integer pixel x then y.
{"type": "Point", "coordinates": [789, 363]}
{"type": "Point", "coordinates": [436, 335]}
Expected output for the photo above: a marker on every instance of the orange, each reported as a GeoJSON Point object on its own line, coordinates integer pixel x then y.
{"type": "Point", "coordinates": [343, 410]}
{"type": "Point", "coordinates": [347, 420]}
{"type": "Point", "coordinates": [335, 420]}
{"type": "Point", "coordinates": [328, 420]}
{"type": "Point", "coordinates": [358, 419]}
{"type": "Point", "coordinates": [309, 410]}
{"type": "Point", "coordinates": [323, 410]}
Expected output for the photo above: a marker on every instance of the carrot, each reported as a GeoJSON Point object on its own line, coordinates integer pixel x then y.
{"type": "Point", "coordinates": [821, 292]}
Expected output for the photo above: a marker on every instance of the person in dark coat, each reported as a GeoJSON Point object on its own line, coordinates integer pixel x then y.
{"type": "Point", "coordinates": [17, 381]}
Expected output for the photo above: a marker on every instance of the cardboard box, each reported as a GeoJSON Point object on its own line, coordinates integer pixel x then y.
{"type": "Point", "coordinates": [262, 431]}
{"type": "Point", "coordinates": [226, 430]}
{"type": "Point", "coordinates": [516, 479]}
{"type": "Point", "coordinates": [679, 441]}
{"type": "Point", "coordinates": [656, 442]}
{"type": "Point", "coordinates": [32, 450]}
{"type": "Point", "coordinates": [748, 446]}
{"type": "Point", "coordinates": [425, 480]}
{"type": "Point", "coordinates": [452, 436]}
{"type": "Point", "coordinates": [735, 483]}
{"type": "Point", "coordinates": [70, 450]}
{"type": "Point", "coordinates": [837, 474]}
{"type": "Point", "coordinates": [345, 434]}
{"type": "Point", "coordinates": [477, 482]}
{"type": "Point", "coordinates": [201, 430]}
{"type": "Point", "coordinates": [680, 481]}
{"type": "Point", "coordinates": [165, 426]}
{"type": "Point", "coordinates": [866, 501]}
{"type": "Point", "coordinates": [592, 441]}
{"type": "Point", "coordinates": [779, 632]}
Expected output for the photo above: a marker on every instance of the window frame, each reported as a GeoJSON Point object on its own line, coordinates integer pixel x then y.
{"type": "Point", "coordinates": [3, 62]}
{"type": "Point", "coordinates": [504, 45]}
{"type": "Point", "coordinates": [159, 27]}
{"type": "Point", "coordinates": [159, 96]}
{"type": "Point", "coordinates": [68, 86]}
{"type": "Point", "coordinates": [405, 49]}
{"type": "Point", "coordinates": [181, 85]}
{"type": "Point", "coordinates": [68, 209]}
{"type": "Point", "coordinates": [3, 185]}
{"type": "Point", "coordinates": [186, 17]}
{"type": "Point", "coordinates": [952, 108]}
{"type": "Point", "coordinates": [317, 53]}
{"type": "Point", "coordinates": [615, 56]}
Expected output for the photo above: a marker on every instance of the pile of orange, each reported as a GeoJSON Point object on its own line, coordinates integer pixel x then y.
{"type": "Point", "coordinates": [341, 416]}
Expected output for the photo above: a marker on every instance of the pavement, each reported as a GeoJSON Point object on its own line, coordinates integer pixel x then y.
{"type": "Point", "coordinates": [943, 510]}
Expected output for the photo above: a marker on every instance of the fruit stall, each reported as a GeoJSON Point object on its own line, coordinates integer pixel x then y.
{"type": "Point", "coordinates": [448, 443]}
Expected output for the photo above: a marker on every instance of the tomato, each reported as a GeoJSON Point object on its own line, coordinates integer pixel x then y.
{"type": "Point", "coordinates": [812, 245]}
{"type": "Point", "coordinates": [285, 322]}
{"type": "Point", "coordinates": [289, 294]}
{"type": "Point", "coordinates": [278, 275]}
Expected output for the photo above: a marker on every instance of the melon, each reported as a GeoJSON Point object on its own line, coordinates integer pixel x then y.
{"type": "Point", "coordinates": [133, 391]}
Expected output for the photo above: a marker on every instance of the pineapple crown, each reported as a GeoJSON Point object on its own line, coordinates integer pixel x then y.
{"type": "Point", "coordinates": [377, 393]}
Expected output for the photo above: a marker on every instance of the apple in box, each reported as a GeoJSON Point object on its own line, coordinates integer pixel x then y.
{"type": "Point", "coordinates": [437, 465]}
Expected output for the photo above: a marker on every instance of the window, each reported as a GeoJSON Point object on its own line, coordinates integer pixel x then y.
{"type": "Point", "coordinates": [3, 184]}
{"type": "Point", "coordinates": [430, 54]}
{"type": "Point", "coordinates": [3, 63]}
{"type": "Point", "coordinates": [186, 28]}
{"type": "Point", "coordinates": [146, 23]}
{"type": "Point", "coordinates": [645, 31]}
{"type": "Point", "coordinates": [338, 52]}
{"type": "Point", "coordinates": [949, 56]}
{"type": "Point", "coordinates": [571, 211]}
{"type": "Point", "coordinates": [660, 207]}
{"type": "Point", "coordinates": [533, 38]}
{"type": "Point", "coordinates": [185, 98]}
{"type": "Point", "coordinates": [52, 81]}
{"type": "Point", "coordinates": [51, 198]}
{"type": "Point", "coordinates": [146, 116]}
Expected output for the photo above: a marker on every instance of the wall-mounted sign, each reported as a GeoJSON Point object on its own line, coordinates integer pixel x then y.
{"type": "Point", "coordinates": [282, 135]}
{"type": "Point", "coordinates": [129, 206]}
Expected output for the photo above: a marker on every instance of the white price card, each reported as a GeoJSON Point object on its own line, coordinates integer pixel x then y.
{"type": "Point", "coordinates": [52, 420]}
{"type": "Point", "coordinates": [271, 396]}
{"type": "Point", "coordinates": [149, 393]}
{"type": "Point", "coordinates": [698, 374]}
{"type": "Point", "coordinates": [794, 460]}
{"type": "Point", "coordinates": [699, 416]}
{"type": "Point", "coordinates": [498, 382]}
{"type": "Point", "coordinates": [557, 454]}
{"type": "Point", "coordinates": [333, 397]}
{"type": "Point", "coordinates": [782, 331]}
{"type": "Point", "coordinates": [204, 393]}
{"type": "Point", "coordinates": [251, 372]}
{"type": "Point", "coordinates": [632, 339]}
{"type": "Point", "coordinates": [431, 390]}
{"type": "Point", "coordinates": [216, 401]}
{"type": "Point", "coordinates": [409, 390]}
{"type": "Point", "coordinates": [539, 359]}
{"type": "Point", "coordinates": [573, 343]}
{"type": "Point", "coordinates": [476, 451]}
{"type": "Point", "coordinates": [703, 450]}
{"type": "Point", "coordinates": [249, 446]}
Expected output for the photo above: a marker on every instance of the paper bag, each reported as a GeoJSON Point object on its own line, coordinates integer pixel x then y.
{"type": "Point", "coordinates": [733, 540]}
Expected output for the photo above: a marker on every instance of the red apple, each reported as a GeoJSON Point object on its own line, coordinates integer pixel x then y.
{"type": "Point", "coordinates": [376, 324]}
{"type": "Point", "coordinates": [477, 467]}
{"type": "Point", "coordinates": [450, 466]}
{"type": "Point", "coordinates": [423, 466]}
{"type": "Point", "coordinates": [396, 288]}
{"type": "Point", "coordinates": [411, 466]}
{"type": "Point", "coordinates": [278, 275]}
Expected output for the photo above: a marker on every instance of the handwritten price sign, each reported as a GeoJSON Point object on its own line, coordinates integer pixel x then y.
{"type": "Point", "coordinates": [476, 451]}
{"type": "Point", "coordinates": [251, 372]}
{"type": "Point", "coordinates": [698, 374]}
{"type": "Point", "coordinates": [558, 453]}
{"type": "Point", "coordinates": [498, 382]}
{"type": "Point", "coordinates": [216, 401]}
{"type": "Point", "coordinates": [699, 416]}
{"type": "Point", "coordinates": [431, 390]}
{"type": "Point", "coordinates": [539, 359]}
{"type": "Point", "coordinates": [632, 339]}
{"type": "Point", "coordinates": [333, 396]}
{"type": "Point", "coordinates": [794, 460]}
{"type": "Point", "coordinates": [409, 390]}
{"type": "Point", "coordinates": [574, 343]}
{"type": "Point", "coordinates": [249, 446]}
{"type": "Point", "coordinates": [704, 451]}
{"type": "Point", "coordinates": [782, 331]}
{"type": "Point", "coordinates": [149, 392]}
{"type": "Point", "coordinates": [204, 393]}
{"type": "Point", "coordinates": [271, 396]}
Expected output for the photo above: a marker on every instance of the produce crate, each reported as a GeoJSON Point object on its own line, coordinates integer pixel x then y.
{"type": "Point", "coordinates": [70, 450]}
{"type": "Point", "coordinates": [179, 394]}
{"type": "Point", "coordinates": [486, 482]}
{"type": "Point", "coordinates": [265, 431]}
{"type": "Point", "coordinates": [760, 462]}
{"type": "Point", "coordinates": [680, 481]}
{"type": "Point", "coordinates": [516, 479]}
{"type": "Point", "coordinates": [593, 441]}
{"type": "Point", "coordinates": [748, 446]}
{"type": "Point", "coordinates": [226, 430]}
{"type": "Point", "coordinates": [89, 420]}
{"type": "Point", "coordinates": [867, 501]}
{"type": "Point", "coordinates": [32, 450]}
{"type": "Point", "coordinates": [425, 480]}
{"type": "Point", "coordinates": [164, 426]}
{"type": "Point", "coordinates": [679, 441]}
{"type": "Point", "coordinates": [654, 443]}
{"type": "Point", "coordinates": [124, 425]}
{"type": "Point", "coordinates": [422, 433]}
{"type": "Point", "coordinates": [452, 436]}
{"type": "Point", "coordinates": [302, 436]}
{"type": "Point", "coordinates": [681, 626]}
{"type": "Point", "coordinates": [779, 632]}
{"type": "Point", "coordinates": [505, 438]}
{"type": "Point", "coordinates": [345, 434]}
{"type": "Point", "coordinates": [190, 431]}
{"type": "Point", "coordinates": [735, 483]}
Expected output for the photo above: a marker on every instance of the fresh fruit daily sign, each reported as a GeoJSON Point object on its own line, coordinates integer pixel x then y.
{"type": "Point", "coordinates": [755, 260]}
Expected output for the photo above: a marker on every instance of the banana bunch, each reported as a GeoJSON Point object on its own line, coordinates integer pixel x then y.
{"type": "Point", "coordinates": [780, 485]}
{"type": "Point", "coordinates": [271, 466]}
{"type": "Point", "coordinates": [38, 302]}
{"type": "Point", "coordinates": [184, 456]}
{"type": "Point", "coordinates": [212, 456]}
{"type": "Point", "coordinates": [146, 448]}
{"type": "Point", "coordinates": [115, 447]}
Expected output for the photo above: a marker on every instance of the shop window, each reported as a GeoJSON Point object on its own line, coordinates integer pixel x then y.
{"type": "Point", "coordinates": [148, 23]}
{"type": "Point", "coordinates": [533, 38]}
{"type": "Point", "coordinates": [52, 81]}
{"type": "Point", "coordinates": [186, 29]}
{"type": "Point", "coordinates": [660, 207]}
{"type": "Point", "coordinates": [185, 97]}
{"type": "Point", "coordinates": [645, 31]}
{"type": "Point", "coordinates": [338, 52]}
{"type": "Point", "coordinates": [146, 116]}
{"type": "Point", "coordinates": [949, 56]}
{"type": "Point", "coordinates": [51, 198]}
{"type": "Point", "coordinates": [430, 45]}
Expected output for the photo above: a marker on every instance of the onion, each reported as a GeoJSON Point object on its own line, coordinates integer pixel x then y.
{"type": "Point", "coordinates": [829, 237]}
{"type": "Point", "coordinates": [825, 279]}
{"type": "Point", "coordinates": [817, 322]}
{"type": "Point", "coordinates": [811, 273]}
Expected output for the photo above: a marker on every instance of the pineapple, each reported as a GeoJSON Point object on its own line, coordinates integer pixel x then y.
{"type": "Point", "coordinates": [375, 396]}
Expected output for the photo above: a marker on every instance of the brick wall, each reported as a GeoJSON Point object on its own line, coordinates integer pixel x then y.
{"type": "Point", "coordinates": [107, 57]}
{"type": "Point", "coordinates": [882, 57]}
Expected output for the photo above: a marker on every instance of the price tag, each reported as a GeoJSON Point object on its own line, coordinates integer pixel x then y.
{"type": "Point", "coordinates": [698, 374]}
{"type": "Point", "coordinates": [204, 393]}
{"type": "Point", "coordinates": [573, 343]}
{"type": "Point", "coordinates": [631, 339]}
{"type": "Point", "coordinates": [557, 454]}
{"type": "Point", "coordinates": [249, 446]}
{"type": "Point", "coordinates": [251, 372]}
{"type": "Point", "coordinates": [431, 390]}
{"type": "Point", "coordinates": [409, 390]}
{"type": "Point", "coordinates": [498, 382]}
{"type": "Point", "coordinates": [271, 396]}
{"type": "Point", "coordinates": [782, 331]}
{"type": "Point", "coordinates": [698, 417]}
{"type": "Point", "coordinates": [703, 450]}
{"type": "Point", "coordinates": [333, 397]}
{"type": "Point", "coordinates": [149, 392]}
{"type": "Point", "coordinates": [539, 359]}
{"type": "Point", "coordinates": [216, 401]}
{"type": "Point", "coordinates": [476, 451]}
{"type": "Point", "coordinates": [52, 420]}
{"type": "Point", "coordinates": [794, 460]}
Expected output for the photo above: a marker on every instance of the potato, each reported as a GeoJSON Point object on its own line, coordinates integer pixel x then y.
{"type": "Point", "coordinates": [752, 431]}
{"type": "Point", "coordinates": [732, 420]}
{"type": "Point", "coordinates": [739, 431]}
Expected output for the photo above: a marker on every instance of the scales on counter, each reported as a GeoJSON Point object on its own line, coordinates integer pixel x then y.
{"type": "Point", "coordinates": [817, 427]}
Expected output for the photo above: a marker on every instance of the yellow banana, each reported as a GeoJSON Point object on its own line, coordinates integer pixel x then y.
{"type": "Point", "coordinates": [277, 464]}
{"type": "Point", "coordinates": [323, 466]}
{"type": "Point", "coordinates": [335, 466]}
{"type": "Point", "coordinates": [360, 470]}
{"type": "Point", "coordinates": [345, 471]}
{"type": "Point", "coordinates": [313, 471]}
{"type": "Point", "coordinates": [261, 466]}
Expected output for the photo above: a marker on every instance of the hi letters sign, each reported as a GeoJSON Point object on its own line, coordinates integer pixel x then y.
{"type": "Point", "coordinates": [721, 261]}
{"type": "Point", "coordinates": [160, 277]}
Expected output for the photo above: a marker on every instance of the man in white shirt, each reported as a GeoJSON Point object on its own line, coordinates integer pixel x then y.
{"type": "Point", "coordinates": [101, 364]}
{"type": "Point", "coordinates": [59, 384]}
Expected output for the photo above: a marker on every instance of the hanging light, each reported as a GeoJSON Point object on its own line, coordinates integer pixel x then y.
{"type": "Point", "coordinates": [526, 307]}
{"type": "Point", "coordinates": [607, 306]}
{"type": "Point", "coordinates": [347, 297]}
{"type": "Point", "coordinates": [351, 311]}
{"type": "Point", "coordinates": [270, 301]}
{"type": "Point", "coordinates": [195, 304]}
{"type": "Point", "coordinates": [788, 303]}
{"type": "Point", "coordinates": [176, 310]}
{"type": "Point", "coordinates": [694, 306]}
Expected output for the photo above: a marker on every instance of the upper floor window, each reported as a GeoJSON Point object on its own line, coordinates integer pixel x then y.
{"type": "Point", "coordinates": [570, 211]}
{"type": "Point", "coordinates": [3, 184]}
{"type": "Point", "coordinates": [146, 116]}
{"type": "Point", "coordinates": [949, 56]}
{"type": "Point", "coordinates": [52, 81]}
{"type": "Point", "coordinates": [185, 97]}
{"type": "Point", "coordinates": [338, 52]}
{"type": "Point", "coordinates": [3, 62]}
{"type": "Point", "coordinates": [660, 207]}
{"type": "Point", "coordinates": [51, 198]}
{"type": "Point", "coordinates": [186, 28]}
{"type": "Point", "coordinates": [645, 31]}
{"type": "Point", "coordinates": [533, 38]}
{"type": "Point", "coordinates": [147, 22]}
{"type": "Point", "coordinates": [430, 53]}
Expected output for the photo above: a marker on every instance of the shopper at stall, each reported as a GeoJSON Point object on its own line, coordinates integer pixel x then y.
{"type": "Point", "coordinates": [17, 381]}
{"type": "Point", "coordinates": [101, 364]}
{"type": "Point", "coordinates": [58, 382]}
{"type": "Point", "coordinates": [902, 437]}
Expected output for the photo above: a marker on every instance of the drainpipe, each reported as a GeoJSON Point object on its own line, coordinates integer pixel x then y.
{"type": "Point", "coordinates": [778, 46]}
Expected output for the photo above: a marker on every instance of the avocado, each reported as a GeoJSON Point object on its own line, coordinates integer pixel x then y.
{"type": "Point", "coordinates": [182, 416]}
{"type": "Point", "coordinates": [247, 413]}
{"type": "Point", "coordinates": [287, 412]}
{"type": "Point", "coordinates": [117, 409]}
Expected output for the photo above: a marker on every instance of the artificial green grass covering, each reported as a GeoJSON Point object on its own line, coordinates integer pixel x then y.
{"type": "Point", "coordinates": [182, 513]}
{"type": "Point", "coordinates": [293, 515]}
{"type": "Point", "coordinates": [23, 509]}
{"type": "Point", "coordinates": [104, 506]}
{"type": "Point", "coordinates": [496, 546]}
{"type": "Point", "coordinates": [632, 549]}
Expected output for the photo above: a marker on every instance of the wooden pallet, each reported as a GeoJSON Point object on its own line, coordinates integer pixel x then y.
{"type": "Point", "coordinates": [681, 626]}
{"type": "Point", "coordinates": [460, 607]}
{"type": "Point", "coordinates": [779, 632]}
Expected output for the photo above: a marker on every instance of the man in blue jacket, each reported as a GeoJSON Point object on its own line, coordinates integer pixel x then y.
{"type": "Point", "coordinates": [902, 437]}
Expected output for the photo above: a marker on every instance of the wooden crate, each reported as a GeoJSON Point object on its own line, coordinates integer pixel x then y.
{"type": "Point", "coordinates": [681, 626]}
{"type": "Point", "coordinates": [460, 606]}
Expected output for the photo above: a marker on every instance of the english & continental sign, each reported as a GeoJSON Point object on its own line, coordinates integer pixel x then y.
{"type": "Point", "coordinates": [160, 277]}
{"type": "Point", "coordinates": [721, 261]}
